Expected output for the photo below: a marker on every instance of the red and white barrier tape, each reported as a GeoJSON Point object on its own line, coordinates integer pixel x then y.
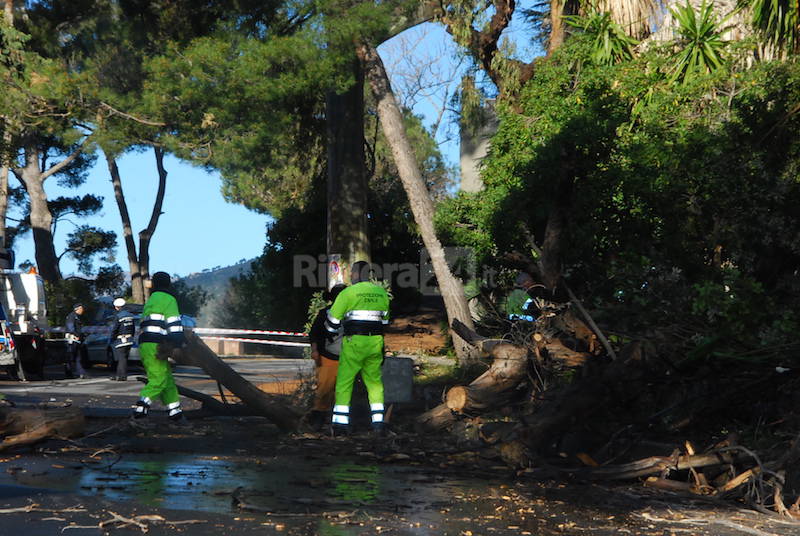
{"type": "Point", "coordinates": [257, 341]}
{"type": "Point", "coordinates": [85, 329]}
{"type": "Point", "coordinates": [228, 331]}
{"type": "Point", "coordinates": [203, 332]}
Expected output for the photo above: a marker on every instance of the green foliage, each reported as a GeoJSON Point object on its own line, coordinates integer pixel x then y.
{"type": "Point", "coordinates": [610, 43]}
{"type": "Point", "coordinates": [190, 299]}
{"type": "Point", "coordinates": [270, 296]}
{"type": "Point", "coordinates": [681, 201]}
{"type": "Point", "coordinates": [700, 46]}
{"type": "Point", "coordinates": [86, 242]}
{"type": "Point", "coordinates": [62, 295]}
{"type": "Point", "coordinates": [316, 304]}
{"type": "Point", "coordinates": [777, 22]}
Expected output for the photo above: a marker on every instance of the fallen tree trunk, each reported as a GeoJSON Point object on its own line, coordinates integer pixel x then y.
{"type": "Point", "coordinates": [211, 406]}
{"type": "Point", "coordinates": [28, 426]}
{"type": "Point", "coordinates": [654, 465]}
{"type": "Point", "coordinates": [493, 388]}
{"type": "Point", "coordinates": [197, 354]}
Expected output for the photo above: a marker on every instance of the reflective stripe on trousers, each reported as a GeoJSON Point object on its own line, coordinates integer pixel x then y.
{"type": "Point", "coordinates": [341, 415]}
{"type": "Point", "coordinates": [377, 412]}
{"type": "Point", "coordinates": [174, 408]}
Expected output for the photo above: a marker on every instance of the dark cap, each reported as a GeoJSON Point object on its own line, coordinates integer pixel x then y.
{"type": "Point", "coordinates": [332, 293]}
{"type": "Point", "coordinates": [161, 281]}
{"type": "Point", "coordinates": [79, 304]}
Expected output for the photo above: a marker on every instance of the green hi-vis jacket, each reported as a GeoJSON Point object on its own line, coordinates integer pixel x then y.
{"type": "Point", "coordinates": [161, 320]}
{"type": "Point", "coordinates": [361, 309]}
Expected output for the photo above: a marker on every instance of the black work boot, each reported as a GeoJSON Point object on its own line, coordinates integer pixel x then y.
{"type": "Point", "coordinates": [378, 429]}
{"type": "Point", "coordinates": [141, 409]}
{"type": "Point", "coordinates": [340, 430]}
{"type": "Point", "coordinates": [317, 420]}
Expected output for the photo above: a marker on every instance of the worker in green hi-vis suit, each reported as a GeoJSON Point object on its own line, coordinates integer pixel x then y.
{"type": "Point", "coordinates": [161, 324]}
{"type": "Point", "coordinates": [362, 310]}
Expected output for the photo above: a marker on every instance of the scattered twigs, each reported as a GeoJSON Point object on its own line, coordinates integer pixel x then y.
{"type": "Point", "coordinates": [29, 508]}
{"type": "Point", "coordinates": [141, 522]}
{"type": "Point", "coordinates": [117, 519]}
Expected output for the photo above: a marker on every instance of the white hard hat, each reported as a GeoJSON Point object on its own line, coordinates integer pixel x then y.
{"type": "Point", "coordinates": [119, 302]}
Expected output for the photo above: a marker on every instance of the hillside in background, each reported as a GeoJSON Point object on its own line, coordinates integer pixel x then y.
{"type": "Point", "coordinates": [215, 281]}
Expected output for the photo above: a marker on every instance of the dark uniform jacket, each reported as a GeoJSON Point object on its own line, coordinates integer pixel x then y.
{"type": "Point", "coordinates": [122, 328]}
{"type": "Point", "coordinates": [74, 328]}
{"type": "Point", "coordinates": [328, 344]}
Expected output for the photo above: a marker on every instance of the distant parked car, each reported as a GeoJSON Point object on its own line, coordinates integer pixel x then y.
{"type": "Point", "coordinates": [99, 350]}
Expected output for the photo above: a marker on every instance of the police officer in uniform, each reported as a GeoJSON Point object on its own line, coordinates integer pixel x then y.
{"type": "Point", "coordinates": [122, 328]}
{"type": "Point", "coordinates": [74, 334]}
{"type": "Point", "coordinates": [362, 310]}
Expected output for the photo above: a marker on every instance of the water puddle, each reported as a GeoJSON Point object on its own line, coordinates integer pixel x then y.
{"type": "Point", "coordinates": [284, 485]}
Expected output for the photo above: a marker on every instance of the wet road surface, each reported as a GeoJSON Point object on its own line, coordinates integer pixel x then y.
{"type": "Point", "coordinates": [239, 476]}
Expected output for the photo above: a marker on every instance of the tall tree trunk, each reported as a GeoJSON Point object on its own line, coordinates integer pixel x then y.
{"type": "Point", "coordinates": [554, 233]}
{"type": "Point", "coordinates": [559, 8]}
{"type": "Point", "coordinates": [137, 284]}
{"type": "Point", "coordinates": [556, 26]}
{"type": "Point", "coordinates": [347, 174]}
{"type": "Point", "coordinates": [421, 204]}
{"type": "Point", "coordinates": [147, 234]}
{"type": "Point", "coordinates": [32, 177]}
{"type": "Point", "coordinates": [8, 19]}
{"type": "Point", "coordinates": [3, 194]}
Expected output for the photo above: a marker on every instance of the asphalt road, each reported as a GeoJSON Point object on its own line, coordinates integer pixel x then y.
{"type": "Point", "coordinates": [99, 388]}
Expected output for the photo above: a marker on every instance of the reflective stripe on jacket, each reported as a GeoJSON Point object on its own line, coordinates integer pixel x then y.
{"type": "Point", "coordinates": [161, 320]}
{"type": "Point", "coordinates": [122, 329]}
{"type": "Point", "coordinates": [361, 309]}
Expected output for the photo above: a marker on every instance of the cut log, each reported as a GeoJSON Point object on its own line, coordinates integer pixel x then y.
{"type": "Point", "coordinates": [28, 426]}
{"type": "Point", "coordinates": [492, 389]}
{"type": "Point", "coordinates": [436, 419]}
{"type": "Point", "coordinates": [274, 408]}
{"type": "Point", "coordinates": [558, 351]}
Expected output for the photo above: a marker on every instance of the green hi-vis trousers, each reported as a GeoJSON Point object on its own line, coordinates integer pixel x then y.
{"type": "Point", "coordinates": [160, 384]}
{"type": "Point", "coordinates": [360, 353]}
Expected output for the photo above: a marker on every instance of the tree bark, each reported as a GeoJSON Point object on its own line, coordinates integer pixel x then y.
{"type": "Point", "coordinates": [197, 354]}
{"type": "Point", "coordinates": [5, 165]}
{"type": "Point", "coordinates": [558, 9]}
{"type": "Point", "coordinates": [147, 234]}
{"type": "Point", "coordinates": [3, 194]}
{"type": "Point", "coordinates": [492, 389]}
{"type": "Point", "coordinates": [347, 175]}
{"type": "Point", "coordinates": [32, 179]}
{"type": "Point", "coordinates": [137, 284]}
{"type": "Point", "coordinates": [421, 204]}
{"type": "Point", "coordinates": [28, 426]}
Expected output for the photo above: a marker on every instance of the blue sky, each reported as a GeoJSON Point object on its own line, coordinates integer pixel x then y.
{"type": "Point", "coordinates": [199, 229]}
